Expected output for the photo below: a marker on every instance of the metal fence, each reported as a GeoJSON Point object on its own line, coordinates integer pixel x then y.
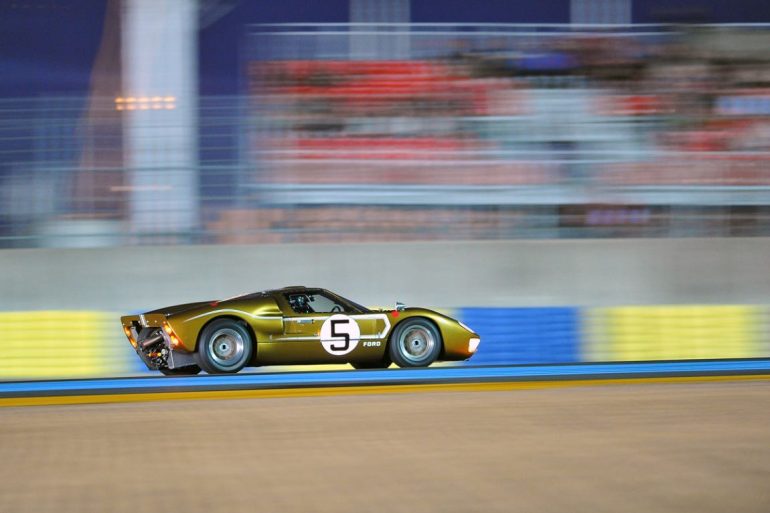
{"type": "Point", "coordinates": [413, 132]}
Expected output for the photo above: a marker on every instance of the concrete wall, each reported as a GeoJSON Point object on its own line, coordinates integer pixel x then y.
{"type": "Point", "coordinates": [444, 274]}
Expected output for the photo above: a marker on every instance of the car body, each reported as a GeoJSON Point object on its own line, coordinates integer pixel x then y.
{"type": "Point", "coordinates": [289, 326]}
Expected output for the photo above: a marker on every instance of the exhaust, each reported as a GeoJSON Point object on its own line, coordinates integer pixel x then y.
{"type": "Point", "coordinates": [149, 342]}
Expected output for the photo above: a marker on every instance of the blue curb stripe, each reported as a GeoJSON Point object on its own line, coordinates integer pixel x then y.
{"type": "Point", "coordinates": [390, 376]}
{"type": "Point", "coordinates": [524, 335]}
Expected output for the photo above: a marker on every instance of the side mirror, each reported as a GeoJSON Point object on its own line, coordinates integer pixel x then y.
{"type": "Point", "coordinates": [400, 306]}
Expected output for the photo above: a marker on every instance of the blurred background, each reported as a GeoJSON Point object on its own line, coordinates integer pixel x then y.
{"type": "Point", "coordinates": [579, 180]}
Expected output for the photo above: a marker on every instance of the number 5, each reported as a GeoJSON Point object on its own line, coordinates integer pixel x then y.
{"type": "Point", "coordinates": [346, 336]}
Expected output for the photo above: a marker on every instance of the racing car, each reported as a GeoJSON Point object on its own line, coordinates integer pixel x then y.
{"type": "Point", "coordinates": [293, 326]}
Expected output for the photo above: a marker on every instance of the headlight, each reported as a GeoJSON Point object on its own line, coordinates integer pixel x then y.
{"type": "Point", "coordinates": [465, 326]}
{"type": "Point", "coordinates": [473, 344]}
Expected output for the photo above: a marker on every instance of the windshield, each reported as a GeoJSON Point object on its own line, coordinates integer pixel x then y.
{"type": "Point", "coordinates": [353, 304]}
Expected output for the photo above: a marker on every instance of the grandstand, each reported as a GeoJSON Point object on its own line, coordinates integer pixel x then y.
{"type": "Point", "coordinates": [449, 131]}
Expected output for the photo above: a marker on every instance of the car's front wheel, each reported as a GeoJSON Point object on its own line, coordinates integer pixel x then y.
{"type": "Point", "coordinates": [415, 343]}
{"type": "Point", "coordinates": [224, 346]}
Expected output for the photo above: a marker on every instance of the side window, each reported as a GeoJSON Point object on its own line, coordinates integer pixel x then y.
{"type": "Point", "coordinates": [300, 303]}
{"type": "Point", "coordinates": [313, 303]}
{"type": "Point", "coordinates": [323, 304]}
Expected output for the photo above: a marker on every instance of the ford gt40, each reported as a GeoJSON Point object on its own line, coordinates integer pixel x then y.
{"type": "Point", "coordinates": [293, 326]}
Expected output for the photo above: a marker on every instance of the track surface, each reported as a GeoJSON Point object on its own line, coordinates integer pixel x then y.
{"type": "Point", "coordinates": [631, 448]}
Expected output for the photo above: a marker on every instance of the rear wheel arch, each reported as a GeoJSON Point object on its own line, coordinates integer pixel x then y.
{"type": "Point", "coordinates": [233, 318]}
{"type": "Point", "coordinates": [238, 344]}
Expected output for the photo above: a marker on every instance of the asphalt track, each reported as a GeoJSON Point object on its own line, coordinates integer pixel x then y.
{"type": "Point", "coordinates": [648, 446]}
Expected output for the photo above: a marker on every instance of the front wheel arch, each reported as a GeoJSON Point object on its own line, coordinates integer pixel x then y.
{"type": "Point", "coordinates": [395, 329]}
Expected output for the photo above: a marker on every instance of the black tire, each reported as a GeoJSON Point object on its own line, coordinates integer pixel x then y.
{"type": "Point", "coordinates": [224, 347]}
{"type": "Point", "coordinates": [415, 343]}
{"type": "Point", "coordinates": [190, 370]}
{"type": "Point", "coordinates": [379, 364]}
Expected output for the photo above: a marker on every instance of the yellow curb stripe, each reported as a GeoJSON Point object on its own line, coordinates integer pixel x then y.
{"type": "Point", "coordinates": [358, 390]}
{"type": "Point", "coordinates": [674, 332]}
{"type": "Point", "coordinates": [63, 343]}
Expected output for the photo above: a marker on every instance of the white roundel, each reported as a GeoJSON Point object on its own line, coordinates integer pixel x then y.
{"type": "Point", "coordinates": [340, 334]}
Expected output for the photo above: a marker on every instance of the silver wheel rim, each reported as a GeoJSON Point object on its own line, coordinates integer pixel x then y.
{"type": "Point", "coordinates": [226, 347]}
{"type": "Point", "coordinates": [416, 344]}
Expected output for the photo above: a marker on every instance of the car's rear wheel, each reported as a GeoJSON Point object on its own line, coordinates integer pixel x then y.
{"type": "Point", "coordinates": [190, 370]}
{"type": "Point", "coordinates": [415, 343]}
{"type": "Point", "coordinates": [224, 346]}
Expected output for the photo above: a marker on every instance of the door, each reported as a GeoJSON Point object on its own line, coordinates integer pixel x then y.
{"type": "Point", "coordinates": [321, 328]}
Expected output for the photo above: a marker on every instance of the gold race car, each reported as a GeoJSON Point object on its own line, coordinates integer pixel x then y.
{"type": "Point", "coordinates": [289, 326]}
